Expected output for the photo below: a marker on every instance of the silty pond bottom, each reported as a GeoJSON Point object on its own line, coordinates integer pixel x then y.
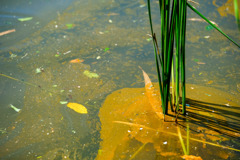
{"type": "Point", "coordinates": [89, 54]}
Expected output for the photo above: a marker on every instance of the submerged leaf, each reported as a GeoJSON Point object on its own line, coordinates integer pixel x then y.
{"type": "Point", "coordinates": [63, 102]}
{"type": "Point", "coordinates": [77, 60]}
{"type": "Point", "coordinates": [153, 98]}
{"type": "Point", "coordinates": [128, 121]}
{"type": "Point", "coordinates": [90, 74]}
{"type": "Point", "coordinates": [191, 157]}
{"type": "Point", "coordinates": [69, 26]}
{"type": "Point", "coordinates": [78, 108]}
{"type": "Point", "coordinates": [15, 108]}
{"type": "Point", "coordinates": [25, 19]}
{"type": "Point", "coordinates": [106, 49]}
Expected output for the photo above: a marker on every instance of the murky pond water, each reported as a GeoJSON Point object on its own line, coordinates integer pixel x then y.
{"type": "Point", "coordinates": [88, 52]}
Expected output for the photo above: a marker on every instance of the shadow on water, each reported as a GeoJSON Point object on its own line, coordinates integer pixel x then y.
{"type": "Point", "coordinates": [220, 118]}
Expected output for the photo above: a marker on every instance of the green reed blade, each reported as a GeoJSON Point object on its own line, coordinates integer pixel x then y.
{"type": "Point", "coordinates": [173, 86]}
{"type": "Point", "coordinates": [177, 35]}
{"type": "Point", "coordinates": [236, 11]}
{"type": "Point", "coordinates": [156, 51]}
{"type": "Point", "coordinates": [181, 141]}
{"type": "Point", "coordinates": [182, 61]}
{"type": "Point", "coordinates": [172, 24]}
{"type": "Point", "coordinates": [169, 55]}
{"type": "Point", "coordinates": [158, 64]}
{"type": "Point", "coordinates": [188, 137]}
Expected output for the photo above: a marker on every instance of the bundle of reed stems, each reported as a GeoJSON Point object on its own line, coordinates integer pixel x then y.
{"type": "Point", "coordinates": [170, 58]}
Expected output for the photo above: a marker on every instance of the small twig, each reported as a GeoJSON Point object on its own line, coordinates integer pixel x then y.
{"type": "Point", "coordinates": [7, 32]}
{"type": "Point", "coordinates": [194, 2]}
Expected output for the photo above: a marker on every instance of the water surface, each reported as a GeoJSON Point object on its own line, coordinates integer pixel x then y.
{"type": "Point", "coordinates": [112, 39]}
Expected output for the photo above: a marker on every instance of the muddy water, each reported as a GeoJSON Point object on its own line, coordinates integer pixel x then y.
{"type": "Point", "coordinates": [112, 39]}
{"type": "Point", "coordinates": [46, 122]}
{"type": "Point", "coordinates": [41, 11]}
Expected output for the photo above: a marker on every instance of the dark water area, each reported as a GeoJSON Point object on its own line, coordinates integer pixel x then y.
{"type": "Point", "coordinates": [88, 53]}
{"type": "Point", "coordinates": [41, 11]}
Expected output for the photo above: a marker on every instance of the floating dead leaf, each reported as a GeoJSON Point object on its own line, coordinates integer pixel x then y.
{"type": "Point", "coordinates": [154, 99]}
{"type": "Point", "coordinates": [191, 157]}
{"type": "Point", "coordinates": [78, 108]}
{"type": "Point", "coordinates": [210, 82]}
{"type": "Point", "coordinates": [77, 60]}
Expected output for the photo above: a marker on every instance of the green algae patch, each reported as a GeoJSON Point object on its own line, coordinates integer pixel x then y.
{"type": "Point", "coordinates": [90, 74]}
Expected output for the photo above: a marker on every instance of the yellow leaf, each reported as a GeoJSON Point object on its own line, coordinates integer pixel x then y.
{"type": "Point", "coordinates": [154, 100]}
{"type": "Point", "coordinates": [78, 108]}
